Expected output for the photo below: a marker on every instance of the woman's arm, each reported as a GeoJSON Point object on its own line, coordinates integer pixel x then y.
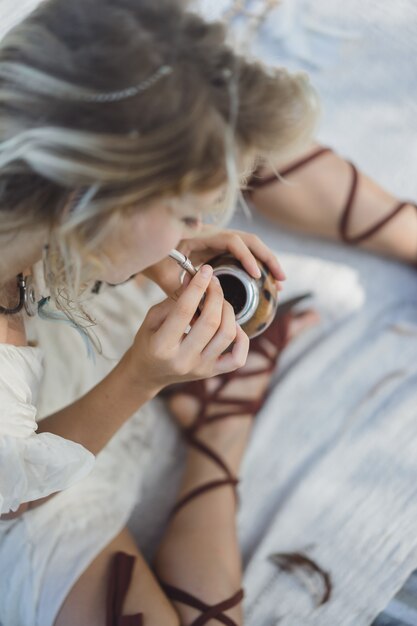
{"type": "Point", "coordinates": [161, 355]}
{"type": "Point", "coordinates": [93, 419]}
{"type": "Point", "coordinates": [96, 417]}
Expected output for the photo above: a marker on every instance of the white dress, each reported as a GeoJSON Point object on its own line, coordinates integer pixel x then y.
{"type": "Point", "coordinates": [45, 550]}
{"type": "Point", "coordinates": [31, 466]}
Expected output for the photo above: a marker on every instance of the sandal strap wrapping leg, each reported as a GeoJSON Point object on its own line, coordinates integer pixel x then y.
{"type": "Point", "coordinates": [209, 612]}
{"type": "Point", "coordinates": [348, 209]}
{"type": "Point", "coordinates": [198, 491]}
{"type": "Point", "coordinates": [118, 585]}
{"type": "Point", "coordinates": [277, 336]}
{"type": "Point", "coordinates": [256, 182]}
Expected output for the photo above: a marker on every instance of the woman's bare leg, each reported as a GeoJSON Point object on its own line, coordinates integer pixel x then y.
{"type": "Point", "coordinates": [314, 199]}
{"type": "Point", "coordinates": [202, 536]}
{"type": "Point", "coordinates": [200, 552]}
{"type": "Point", "coordinates": [86, 603]}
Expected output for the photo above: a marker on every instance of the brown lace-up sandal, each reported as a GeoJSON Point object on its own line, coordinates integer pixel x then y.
{"type": "Point", "coordinates": [118, 585]}
{"type": "Point", "coordinates": [270, 345]}
{"type": "Point", "coordinates": [256, 182]}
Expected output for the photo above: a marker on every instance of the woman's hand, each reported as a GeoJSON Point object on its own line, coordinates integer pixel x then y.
{"type": "Point", "coordinates": [163, 354]}
{"type": "Point", "coordinates": [244, 246]}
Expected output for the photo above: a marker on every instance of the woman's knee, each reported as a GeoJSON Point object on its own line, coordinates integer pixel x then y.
{"type": "Point", "coordinates": [99, 588]}
{"type": "Point", "coordinates": [144, 595]}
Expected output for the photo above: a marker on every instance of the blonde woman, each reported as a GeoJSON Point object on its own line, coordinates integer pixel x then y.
{"type": "Point", "coordinates": [123, 124]}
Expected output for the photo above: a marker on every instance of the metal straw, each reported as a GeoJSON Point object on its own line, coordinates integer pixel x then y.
{"type": "Point", "coordinates": [183, 261]}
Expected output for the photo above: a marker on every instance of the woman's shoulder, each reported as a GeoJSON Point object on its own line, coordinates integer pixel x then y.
{"type": "Point", "coordinates": [17, 359]}
{"type": "Point", "coordinates": [27, 356]}
{"type": "Point", "coordinates": [32, 466]}
{"type": "Point", "coordinates": [20, 364]}
{"type": "Point", "coordinates": [21, 372]}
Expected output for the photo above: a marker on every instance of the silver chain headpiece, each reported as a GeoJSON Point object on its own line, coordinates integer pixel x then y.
{"type": "Point", "coordinates": [130, 92]}
{"type": "Point", "coordinates": [28, 76]}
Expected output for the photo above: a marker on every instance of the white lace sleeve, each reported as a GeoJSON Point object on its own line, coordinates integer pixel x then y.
{"type": "Point", "coordinates": [31, 466]}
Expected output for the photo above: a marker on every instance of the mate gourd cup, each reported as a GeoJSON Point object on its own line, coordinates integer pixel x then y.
{"type": "Point", "coordinates": [255, 301]}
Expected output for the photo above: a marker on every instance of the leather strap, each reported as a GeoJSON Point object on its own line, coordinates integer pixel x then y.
{"type": "Point", "coordinates": [118, 585]}
{"type": "Point", "coordinates": [215, 612]}
{"type": "Point", "coordinates": [277, 335]}
{"type": "Point", "coordinates": [198, 491]}
{"type": "Point", "coordinates": [347, 213]}
{"type": "Point", "coordinates": [256, 182]}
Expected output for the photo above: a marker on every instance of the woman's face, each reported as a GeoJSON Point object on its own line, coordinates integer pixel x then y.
{"type": "Point", "coordinates": [147, 236]}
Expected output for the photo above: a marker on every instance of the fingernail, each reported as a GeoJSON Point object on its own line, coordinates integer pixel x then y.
{"type": "Point", "coordinates": [216, 280]}
{"type": "Point", "coordinates": [256, 271]}
{"type": "Point", "coordinates": [206, 271]}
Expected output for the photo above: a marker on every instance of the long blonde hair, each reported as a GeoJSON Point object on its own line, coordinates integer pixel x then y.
{"type": "Point", "coordinates": [188, 133]}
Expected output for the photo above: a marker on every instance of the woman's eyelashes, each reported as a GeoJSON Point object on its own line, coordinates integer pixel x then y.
{"type": "Point", "coordinates": [192, 223]}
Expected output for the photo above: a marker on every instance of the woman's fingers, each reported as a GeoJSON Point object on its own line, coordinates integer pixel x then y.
{"type": "Point", "coordinates": [244, 254]}
{"type": "Point", "coordinates": [264, 254]}
{"type": "Point", "coordinates": [246, 247]}
{"type": "Point", "coordinates": [225, 335]}
{"type": "Point", "coordinates": [232, 242]}
{"type": "Point", "coordinates": [237, 357]}
{"type": "Point", "coordinates": [181, 314]}
{"type": "Point", "coordinates": [208, 322]}
{"type": "Point", "coordinates": [157, 314]}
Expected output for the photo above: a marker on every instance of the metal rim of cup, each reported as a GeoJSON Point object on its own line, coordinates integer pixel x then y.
{"type": "Point", "coordinates": [251, 289]}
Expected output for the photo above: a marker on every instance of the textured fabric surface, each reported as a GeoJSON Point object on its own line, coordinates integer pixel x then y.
{"type": "Point", "coordinates": [402, 610]}
{"type": "Point", "coordinates": [331, 466]}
